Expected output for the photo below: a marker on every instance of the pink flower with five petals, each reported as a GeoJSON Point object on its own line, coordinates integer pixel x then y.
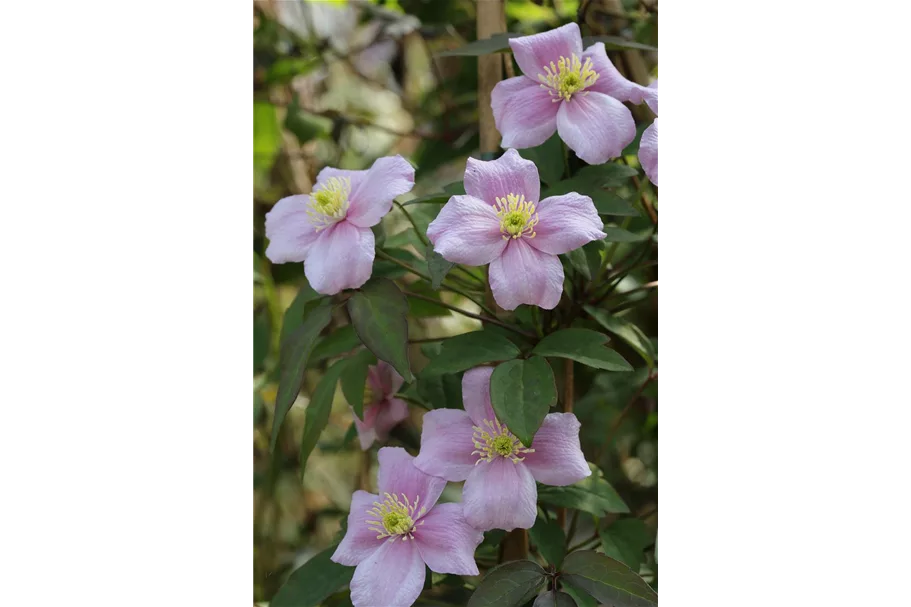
{"type": "Point", "coordinates": [648, 145]}
{"type": "Point", "coordinates": [381, 410]}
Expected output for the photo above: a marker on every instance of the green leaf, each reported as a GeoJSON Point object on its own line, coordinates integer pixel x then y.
{"type": "Point", "coordinates": [626, 331]}
{"type": "Point", "coordinates": [607, 580]}
{"type": "Point", "coordinates": [267, 140]}
{"type": "Point", "coordinates": [592, 494]}
{"type": "Point", "coordinates": [285, 69]}
{"type": "Point", "coordinates": [438, 266]}
{"type": "Point", "coordinates": [548, 536]}
{"type": "Point", "coordinates": [554, 599]}
{"type": "Point", "coordinates": [304, 125]}
{"type": "Point", "coordinates": [522, 392]}
{"type": "Point", "coordinates": [625, 540]}
{"type": "Point", "coordinates": [615, 234]}
{"type": "Point", "coordinates": [584, 346]}
{"type": "Point", "coordinates": [294, 315]}
{"type": "Point", "coordinates": [611, 173]}
{"type": "Point", "coordinates": [608, 203]}
{"type": "Point", "coordinates": [579, 262]}
{"type": "Point", "coordinates": [339, 341]}
{"type": "Point", "coordinates": [615, 43]}
{"type": "Point", "coordinates": [440, 391]}
{"type": "Point", "coordinates": [378, 312]}
{"type": "Point", "coordinates": [494, 44]}
{"type": "Point", "coordinates": [509, 585]}
{"type": "Point", "coordinates": [354, 380]}
{"type": "Point", "coordinates": [293, 361]}
{"type": "Point", "coordinates": [313, 582]}
{"type": "Point", "coordinates": [470, 350]}
{"type": "Point", "coordinates": [262, 334]}
{"type": "Point", "coordinates": [592, 252]}
{"type": "Point", "coordinates": [318, 410]}
{"type": "Point", "coordinates": [548, 157]}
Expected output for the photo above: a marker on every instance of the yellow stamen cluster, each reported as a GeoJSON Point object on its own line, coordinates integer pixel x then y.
{"type": "Point", "coordinates": [497, 441]}
{"type": "Point", "coordinates": [517, 216]}
{"type": "Point", "coordinates": [568, 76]}
{"type": "Point", "coordinates": [329, 204]}
{"type": "Point", "coordinates": [395, 518]}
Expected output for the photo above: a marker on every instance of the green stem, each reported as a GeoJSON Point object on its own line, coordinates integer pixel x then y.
{"type": "Point", "coordinates": [609, 256]}
{"type": "Point", "coordinates": [411, 220]}
{"type": "Point", "coordinates": [467, 313]}
{"type": "Point", "coordinates": [412, 401]}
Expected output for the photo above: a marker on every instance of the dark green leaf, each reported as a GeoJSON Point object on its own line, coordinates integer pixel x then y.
{"type": "Point", "coordinates": [607, 580]}
{"type": "Point", "coordinates": [438, 266]}
{"type": "Point", "coordinates": [620, 235]}
{"type": "Point", "coordinates": [294, 315]}
{"type": "Point", "coordinates": [522, 392]}
{"type": "Point", "coordinates": [456, 188]}
{"type": "Point", "coordinates": [378, 312]}
{"type": "Point", "coordinates": [609, 203]}
{"type": "Point", "coordinates": [579, 263]}
{"type": "Point", "coordinates": [626, 331]}
{"type": "Point", "coordinates": [318, 410]}
{"type": "Point", "coordinates": [548, 157]}
{"type": "Point", "coordinates": [509, 585]}
{"type": "Point", "coordinates": [421, 308]}
{"type": "Point", "coordinates": [615, 43]}
{"type": "Point", "coordinates": [592, 494]}
{"type": "Point", "coordinates": [584, 346]}
{"type": "Point", "coordinates": [293, 361]}
{"type": "Point", "coordinates": [554, 599]}
{"type": "Point", "coordinates": [470, 350]}
{"type": "Point", "coordinates": [494, 44]}
{"type": "Point", "coordinates": [548, 536]}
{"type": "Point", "coordinates": [262, 335]}
{"type": "Point", "coordinates": [611, 173]}
{"type": "Point", "coordinates": [313, 582]}
{"type": "Point", "coordinates": [625, 540]}
{"type": "Point", "coordinates": [387, 269]}
{"type": "Point", "coordinates": [440, 391]}
{"type": "Point", "coordinates": [354, 380]}
{"type": "Point", "coordinates": [339, 341]}
{"type": "Point", "coordinates": [593, 256]}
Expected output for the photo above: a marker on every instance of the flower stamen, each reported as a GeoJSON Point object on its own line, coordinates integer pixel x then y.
{"type": "Point", "coordinates": [329, 204]}
{"type": "Point", "coordinates": [567, 77]}
{"type": "Point", "coordinates": [497, 441]}
{"type": "Point", "coordinates": [395, 518]}
{"type": "Point", "coordinates": [517, 216]}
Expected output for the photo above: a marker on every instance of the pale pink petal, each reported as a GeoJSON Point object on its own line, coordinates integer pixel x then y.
{"type": "Point", "coordinates": [508, 174]}
{"type": "Point", "coordinates": [390, 413]}
{"type": "Point", "coordinates": [525, 114]}
{"type": "Point", "coordinates": [390, 378]}
{"type": "Point", "coordinates": [467, 231]}
{"type": "Point", "coordinates": [389, 177]}
{"type": "Point", "coordinates": [398, 476]}
{"type": "Point", "coordinates": [342, 258]}
{"type": "Point", "coordinates": [447, 542]}
{"type": "Point", "coordinates": [359, 541]}
{"type": "Point", "coordinates": [610, 81]}
{"type": "Point", "coordinates": [557, 459]}
{"type": "Point", "coordinates": [375, 382]}
{"type": "Point", "coordinates": [446, 444]}
{"type": "Point", "coordinates": [476, 394]}
{"type": "Point", "coordinates": [393, 576]}
{"type": "Point", "coordinates": [366, 428]}
{"type": "Point", "coordinates": [327, 173]}
{"type": "Point", "coordinates": [652, 97]}
{"type": "Point", "coordinates": [525, 275]}
{"type": "Point", "coordinates": [500, 495]}
{"type": "Point", "coordinates": [534, 52]}
{"type": "Point", "coordinates": [288, 228]}
{"type": "Point", "coordinates": [566, 222]}
{"type": "Point", "coordinates": [648, 152]}
{"type": "Point", "coordinates": [595, 126]}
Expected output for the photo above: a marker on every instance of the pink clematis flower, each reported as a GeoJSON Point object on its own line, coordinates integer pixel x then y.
{"type": "Point", "coordinates": [648, 145]}
{"type": "Point", "coordinates": [499, 472]}
{"type": "Point", "coordinates": [501, 222]}
{"type": "Point", "coordinates": [578, 94]}
{"type": "Point", "coordinates": [392, 535]}
{"type": "Point", "coordinates": [329, 229]}
{"type": "Point", "coordinates": [381, 410]}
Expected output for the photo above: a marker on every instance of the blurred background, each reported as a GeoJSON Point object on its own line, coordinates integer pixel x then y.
{"type": "Point", "coordinates": [342, 83]}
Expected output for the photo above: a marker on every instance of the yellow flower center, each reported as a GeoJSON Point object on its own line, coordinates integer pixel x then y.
{"type": "Point", "coordinates": [568, 76]}
{"type": "Point", "coordinates": [395, 517]}
{"type": "Point", "coordinates": [496, 441]}
{"type": "Point", "coordinates": [517, 216]}
{"type": "Point", "coordinates": [329, 204]}
{"type": "Point", "coordinates": [369, 395]}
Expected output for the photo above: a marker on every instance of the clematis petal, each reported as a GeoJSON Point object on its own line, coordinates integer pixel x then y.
{"type": "Point", "coordinates": [446, 444]}
{"type": "Point", "coordinates": [341, 258]}
{"type": "Point", "coordinates": [288, 228]}
{"type": "Point", "coordinates": [565, 223]}
{"type": "Point", "coordinates": [648, 152]}
{"type": "Point", "coordinates": [534, 52]}
{"type": "Point", "coordinates": [359, 541]}
{"type": "Point", "coordinates": [525, 114]}
{"type": "Point", "coordinates": [595, 126]}
{"type": "Point", "coordinates": [500, 495]}
{"type": "Point", "coordinates": [447, 542]}
{"type": "Point", "coordinates": [610, 80]}
{"type": "Point", "coordinates": [525, 275]}
{"type": "Point", "coordinates": [508, 174]}
{"type": "Point", "coordinates": [652, 97]}
{"type": "Point", "coordinates": [391, 412]}
{"type": "Point", "coordinates": [476, 394]}
{"type": "Point", "coordinates": [366, 428]}
{"type": "Point", "coordinates": [557, 459]}
{"type": "Point", "coordinates": [467, 231]}
{"type": "Point", "coordinates": [327, 173]}
{"type": "Point", "coordinates": [393, 576]}
{"type": "Point", "coordinates": [383, 379]}
{"type": "Point", "coordinates": [389, 177]}
{"type": "Point", "coordinates": [399, 476]}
